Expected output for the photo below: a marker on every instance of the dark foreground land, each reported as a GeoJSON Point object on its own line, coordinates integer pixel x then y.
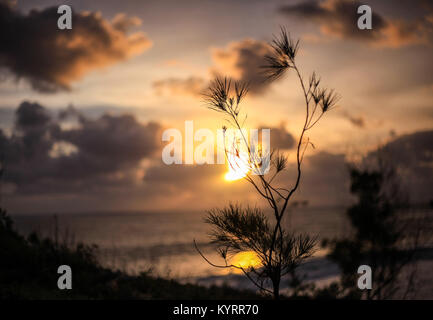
{"type": "Point", "coordinates": [28, 270]}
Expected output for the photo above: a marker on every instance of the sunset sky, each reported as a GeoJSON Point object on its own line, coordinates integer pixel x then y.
{"type": "Point", "coordinates": [82, 111]}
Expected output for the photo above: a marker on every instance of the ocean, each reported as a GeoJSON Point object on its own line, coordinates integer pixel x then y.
{"type": "Point", "coordinates": [162, 242]}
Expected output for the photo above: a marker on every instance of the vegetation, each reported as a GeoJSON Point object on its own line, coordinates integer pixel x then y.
{"type": "Point", "coordinates": [238, 229]}
{"type": "Point", "coordinates": [28, 270]}
{"type": "Point", "coordinates": [386, 237]}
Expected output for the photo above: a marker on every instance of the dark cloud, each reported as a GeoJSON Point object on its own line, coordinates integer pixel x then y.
{"type": "Point", "coordinates": [412, 150]}
{"type": "Point", "coordinates": [339, 18]}
{"type": "Point", "coordinates": [243, 61]}
{"type": "Point", "coordinates": [112, 143]}
{"type": "Point", "coordinates": [325, 179]}
{"type": "Point", "coordinates": [280, 137]}
{"type": "Point", "coordinates": [33, 48]}
{"type": "Point", "coordinates": [412, 155]}
{"type": "Point", "coordinates": [325, 176]}
{"type": "Point", "coordinates": [41, 156]}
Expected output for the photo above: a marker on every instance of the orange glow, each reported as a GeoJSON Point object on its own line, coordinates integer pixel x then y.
{"type": "Point", "coordinates": [246, 259]}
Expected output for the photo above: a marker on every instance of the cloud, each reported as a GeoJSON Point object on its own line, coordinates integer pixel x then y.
{"type": "Point", "coordinates": [280, 137]}
{"type": "Point", "coordinates": [339, 18]}
{"type": "Point", "coordinates": [195, 186]}
{"type": "Point", "coordinates": [177, 177]}
{"type": "Point", "coordinates": [325, 179]}
{"type": "Point", "coordinates": [357, 121]}
{"type": "Point", "coordinates": [412, 155]}
{"type": "Point", "coordinates": [243, 61]}
{"type": "Point", "coordinates": [412, 150]}
{"type": "Point", "coordinates": [194, 86]}
{"type": "Point", "coordinates": [240, 60]}
{"type": "Point", "coordinates": [113, 162]}
{"type": "Point", "coordinates": [42, 156]}
{"type": "Point", "coordinates": [34, 49]}
{"type": "Point", "coordinates": [325, 176]}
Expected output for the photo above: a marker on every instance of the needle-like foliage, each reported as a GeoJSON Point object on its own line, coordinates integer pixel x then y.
{"type": "Point", "coordinates": [237, 229]}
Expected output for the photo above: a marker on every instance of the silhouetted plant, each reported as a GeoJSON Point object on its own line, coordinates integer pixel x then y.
{"type": "Point", "coordinates": [238, 229]}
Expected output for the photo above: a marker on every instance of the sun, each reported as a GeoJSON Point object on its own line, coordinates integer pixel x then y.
{"type": "Point", "coordinates": [246, 259]}
{"type": "Point", "coordinates": [237, 166]}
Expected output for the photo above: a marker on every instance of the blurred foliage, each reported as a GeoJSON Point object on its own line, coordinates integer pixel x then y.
{"type": "Point", "coordinates": [383, 236]}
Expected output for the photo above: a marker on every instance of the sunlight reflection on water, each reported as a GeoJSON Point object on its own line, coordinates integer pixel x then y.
{"type": "Point", "coordinates": [163, 242]}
